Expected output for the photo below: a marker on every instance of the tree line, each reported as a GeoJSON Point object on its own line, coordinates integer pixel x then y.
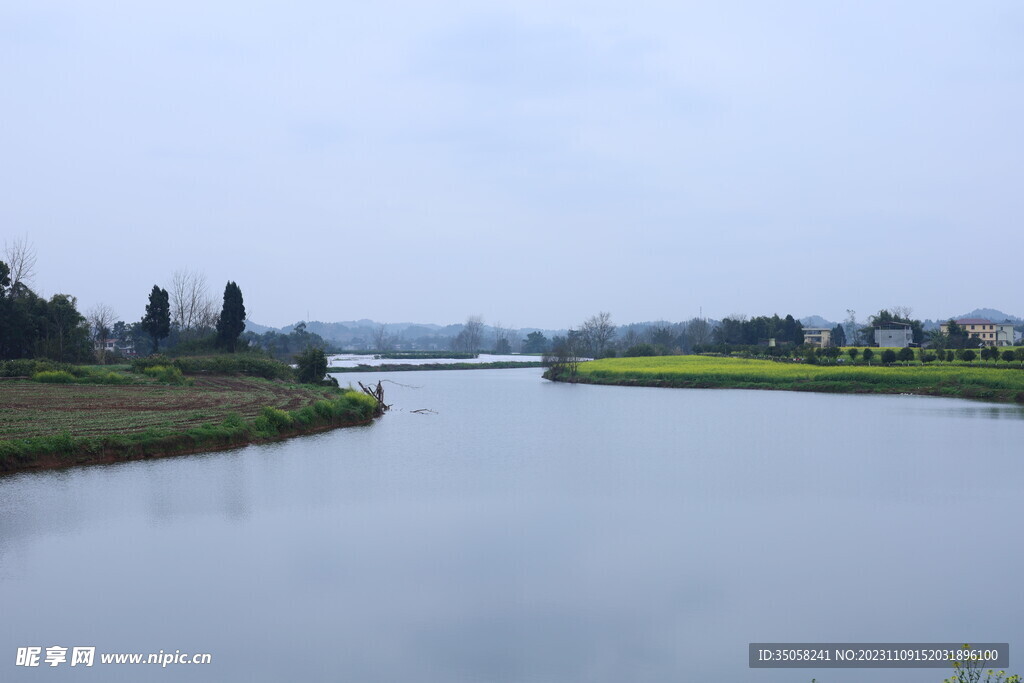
{"type": "Point", "coordinates": [55, 329]}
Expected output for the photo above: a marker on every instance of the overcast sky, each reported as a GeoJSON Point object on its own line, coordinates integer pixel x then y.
{"type": "Point", "coordinates": [531, 162]}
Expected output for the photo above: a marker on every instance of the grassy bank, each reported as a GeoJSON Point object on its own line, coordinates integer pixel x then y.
{"type": "Point", "coordinates": [396, 367]}
{"type": "Point", "coordinates": [44, 424]}
{"type": "Point", "coordinates": [1005, 385]}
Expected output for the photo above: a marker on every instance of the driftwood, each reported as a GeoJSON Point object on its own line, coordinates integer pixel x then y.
{"type": "Point", "coordinates": [424, 411]}
{"type": "Point", "coordinates": [378, 394]}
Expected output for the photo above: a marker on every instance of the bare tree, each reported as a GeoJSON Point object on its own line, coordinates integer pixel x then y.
{"type": "Point", "coordinates": [902, 312]}
{"type": "Point", "coordinates": [851, 328]}
{"type": "Point", "coordinates": [207, 315]}
{"type": "Point", "coordinates": [101, 318]}
{"type": "Point", "coordinates": [502, 339]}
{"type": "Point", "coordinates": [629, 338]}
{"type": "Point", "coordinates": [381, 338]}
{"type": "Point", "coordinates": [474, 329]}
{"type": "Point", "coordinates": [598, 331]}
{"type": "Point", "coordinates": [192, 307]}
{"type": "Point", "coordinates": [563, 359]}
{"type": "Point", "coordinates": [698, 332]}
{"type": "Point", "coordinates": [20, 256]}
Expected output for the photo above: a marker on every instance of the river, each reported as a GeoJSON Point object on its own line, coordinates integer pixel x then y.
{"type": "Point", "coordinates": [530, 531]}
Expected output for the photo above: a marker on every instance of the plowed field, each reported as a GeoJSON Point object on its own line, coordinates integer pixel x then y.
{"type": "Point", "coordinates": [32, 409]}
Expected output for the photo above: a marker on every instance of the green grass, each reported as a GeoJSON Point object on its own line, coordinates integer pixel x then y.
{"type": "Point", "coordinates": [704, 371]}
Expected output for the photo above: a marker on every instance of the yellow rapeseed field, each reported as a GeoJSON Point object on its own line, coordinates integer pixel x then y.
{"type": "Point", "coordinates": [1002, 384]}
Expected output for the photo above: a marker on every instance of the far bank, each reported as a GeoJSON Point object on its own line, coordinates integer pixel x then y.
{"type": "Point", "coordinates": [1004, 385]}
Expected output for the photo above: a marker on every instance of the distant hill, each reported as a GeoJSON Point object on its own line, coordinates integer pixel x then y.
{"type": "Point", "coordinates": [256, 328]}
{"type": "Point", "coordinates": [993, 315]}
{"type": "Point", "coordinates": [816, 321]}
{"type": "Point", "coordinates": [358, 334]}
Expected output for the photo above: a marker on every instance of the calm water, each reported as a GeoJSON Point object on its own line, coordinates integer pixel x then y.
{"type": "Point", "coordinates": [528, 531]}
{"type": "Point", "coordinates": [351, 360]}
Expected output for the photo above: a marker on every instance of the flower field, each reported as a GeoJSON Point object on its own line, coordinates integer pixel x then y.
{"type": "Point", "coordinates": [997, 384]}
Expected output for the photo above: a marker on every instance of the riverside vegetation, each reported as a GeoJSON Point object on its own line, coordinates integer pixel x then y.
{"type": "Point", "coordinates": [1004, 384]}
{"type": "Point", "coordinates": [55, 415]}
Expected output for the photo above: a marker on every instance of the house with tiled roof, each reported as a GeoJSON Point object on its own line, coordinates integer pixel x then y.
{"type": "Point", "coordinates": [988, 332]}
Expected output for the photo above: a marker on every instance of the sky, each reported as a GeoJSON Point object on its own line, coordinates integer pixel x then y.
{"type": "Point", "coordinates": [530, 162]}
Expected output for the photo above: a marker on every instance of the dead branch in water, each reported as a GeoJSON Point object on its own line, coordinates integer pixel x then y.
{"type": "Point", "coordinates": [377, 393]}
{"type": "Point", "coordinates": [424, 411]}
{"type": "Point", "coordinates": [399, 384]}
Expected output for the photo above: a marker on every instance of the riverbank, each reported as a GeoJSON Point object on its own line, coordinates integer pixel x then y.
{"type": "Point", "coordinates": [990, 384]}
{"type": "Point", "coordinates": [405, 367]}
{"type": "Point", "coordinates": [46, 426]}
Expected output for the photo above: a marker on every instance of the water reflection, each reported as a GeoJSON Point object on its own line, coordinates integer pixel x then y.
{"type": "Point", "coordinates": [531, 532]}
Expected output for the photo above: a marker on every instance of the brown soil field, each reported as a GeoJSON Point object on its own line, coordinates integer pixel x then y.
{"type": "Point", "coordinates": [33, 409]}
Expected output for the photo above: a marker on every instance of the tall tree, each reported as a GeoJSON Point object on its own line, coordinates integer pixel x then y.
{"type": "Point", "coordinates": [469, 339]}
{"type": "Point", "coordinates": [192, 308]}
{"type": "Point", "coordinates": [698, 332]}
{"type": "Point", "coordinates": [662, 338]}
{"type": "Point", "coordinates": [21, 258]}
{"type": "Point", "coordinates": [535, 342]}
{"type": "Point", "coordinates": [66, 328]}
{"type": "Point", "coordinates": [157, 321]}
{"type": "Point", "coordinates": [382, 341]}
{"type": "Point", "coordinates": [850, 327]}
{"type": "Point", "coordinates": [502, 345]}
{"type": "Point", "coordinates": [598, 331]}
{"type": "Point", "coordinates": [101, 319]}
{"type": "Point", "coordinates": [838, 336]}
{"type": "Point", "coordinates": [232, 318]}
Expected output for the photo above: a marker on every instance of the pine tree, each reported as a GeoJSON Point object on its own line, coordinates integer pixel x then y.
{"type": "Point", "coordinates": [232, 318]}
{"type": "Point", "coordinates": [157, 321]}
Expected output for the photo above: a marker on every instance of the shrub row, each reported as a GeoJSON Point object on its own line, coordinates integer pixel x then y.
{"type": "Point", "coordinates": [251, 365]}
{"type": "Point", "coordinates": [168, 374]}
{"type": "Point", "coordinates": [72, 374]}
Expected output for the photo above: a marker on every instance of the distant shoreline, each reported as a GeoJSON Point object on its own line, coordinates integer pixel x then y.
{"type": "Point", "coordinates": [702, 372]}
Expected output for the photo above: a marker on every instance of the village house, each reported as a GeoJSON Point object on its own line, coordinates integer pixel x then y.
{"type": "Point", "coordinates": [818, 336]}
{"type": "Point", "coordinates": [990, 333]}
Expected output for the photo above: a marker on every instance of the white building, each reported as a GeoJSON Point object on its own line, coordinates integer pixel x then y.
{"type": "Point", "coordinates": [894, 334]}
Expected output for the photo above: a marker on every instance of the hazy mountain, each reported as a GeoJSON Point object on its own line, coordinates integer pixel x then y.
{"type": "Point", "coordinates": [404, 335]}
{"type": "Point", "coordinates": [256, 328]}
{"type": "Point", "coordinates": [993, 315]}
{"type": "Point", "coordinates": [816, 321]}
